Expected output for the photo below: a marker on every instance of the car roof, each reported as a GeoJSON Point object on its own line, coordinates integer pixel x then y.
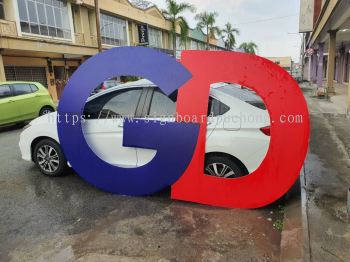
{"type": "Point", "coordinates": [18, 82]}
{"type": "Point", "coordinates": [217, 89]}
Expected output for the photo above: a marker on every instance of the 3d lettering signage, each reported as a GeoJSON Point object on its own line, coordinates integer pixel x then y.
{"type": "Point", "coordinates": [180, 145]}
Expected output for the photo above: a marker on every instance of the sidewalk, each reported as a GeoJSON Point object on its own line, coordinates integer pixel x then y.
{"type": "Point", "coordinates": [339, 99]}
{"type": "Point", "coordinates": [327, 178]}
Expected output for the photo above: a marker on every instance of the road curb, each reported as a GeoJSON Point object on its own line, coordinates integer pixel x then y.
{"type": "Point", "coordinates": [295, 233]}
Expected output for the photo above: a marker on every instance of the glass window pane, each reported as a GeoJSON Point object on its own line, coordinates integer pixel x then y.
{"type": "Point", "coordinates": [34, 28]}
{"type": "Point", "coordinates": [59, 32]}
{"type": "Point", "coordinates": [49, 14]}
{"type": "Point", "coordinates": [162, 106]}
{"type": "Point", "coordinates": [5, 91]}
{"type": "Point", "coordinates": [32, 12]}
{"type": "Point", "coordinates": [114, 105]}
{"type": "Point", "coordinates": [22, 89]}
{"type": "Point", "coordinates": [58, 18]}
{"type": "Point", "coordinates": [41, 14]}
{"type": "Point", "coordinates": [25, 27]}
{"type": "Point", "coordinates": [52, 31]}
{"type": "Point", "coordinates": [56, 3]}
{"type": "Point", "coordinates": [44, 30]}
{"type": "Point", "coordinates": [2, 12]}
{"type": "Point", "coordinates": [34, 88]}
{"type": "Point", "coordinates": [22, 9]}
{"type": "Point", "coordinates": [65, 18]}
{"type": "Point", "coordinates": [123, 104]}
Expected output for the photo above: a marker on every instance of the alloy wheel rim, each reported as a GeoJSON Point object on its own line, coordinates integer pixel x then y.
{"type": "Point", "coordinates": [219, 170]}
{"type": "Point", "coordinates": [47, 158]}
{"type": "Point", "coordinates": [46, 111]}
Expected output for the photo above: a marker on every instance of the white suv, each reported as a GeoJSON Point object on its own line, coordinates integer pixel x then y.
{"type": "Point", "coordinates": [237, 137]}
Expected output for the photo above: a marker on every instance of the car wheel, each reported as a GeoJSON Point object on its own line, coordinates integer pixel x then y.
{"type": "Point", "coordinates": [49, 158]}
{"type": "Point", "coordinates": [222, 166]}
{"type": "Point", "coordinates": [45, 110]}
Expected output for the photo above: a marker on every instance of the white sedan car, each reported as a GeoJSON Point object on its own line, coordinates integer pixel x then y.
{"type": "Point", "coordinates": [238, 129]}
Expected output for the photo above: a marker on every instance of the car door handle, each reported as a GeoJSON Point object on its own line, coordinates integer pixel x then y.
{"type": "Point", "coordinates": [10, 101]}
{"type": "Point", "coordinates": [121, 125]}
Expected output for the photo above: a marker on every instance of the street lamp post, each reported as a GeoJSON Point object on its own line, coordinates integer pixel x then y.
{"type": "Point", "coordinates": [98, 29]}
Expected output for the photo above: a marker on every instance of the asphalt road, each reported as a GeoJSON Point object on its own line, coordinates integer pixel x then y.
{"type": "Point", "coordinates": [66, 219]}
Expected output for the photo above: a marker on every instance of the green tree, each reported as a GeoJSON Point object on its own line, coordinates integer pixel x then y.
{"type": "Point", "coordinates": [249, 47]}
{"type": "Point", "coordinates": [173, 13]}
{"type": "Point", "coordinates": [229, 38]}
{"type": "Point", "coordinates": [206, 21]}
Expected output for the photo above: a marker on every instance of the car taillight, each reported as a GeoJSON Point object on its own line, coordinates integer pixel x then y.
{"type": "Point", "coordinates": [265, 130]}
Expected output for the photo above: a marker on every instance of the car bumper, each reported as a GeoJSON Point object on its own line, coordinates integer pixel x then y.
{"type": "Point", "coordinates": [24, 146]}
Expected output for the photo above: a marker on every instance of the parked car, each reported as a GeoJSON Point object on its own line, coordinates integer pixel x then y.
{"type": "Point", "coordinates": [105, 85]}
{"type": "Point", "coordinates": [233, 148]}
{"type": "Point", "coordinates": [22, 101]}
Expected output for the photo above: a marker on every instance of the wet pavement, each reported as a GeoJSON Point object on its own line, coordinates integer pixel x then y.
{"type": "Point", "coordinates": [66, 219]}
{"type": "Point", "coordinates": [327, 175]}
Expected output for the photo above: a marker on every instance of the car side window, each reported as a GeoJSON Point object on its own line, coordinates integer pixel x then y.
{"type": "Point", "coordinates": [216, 108]}
{"type": "Point", "coordinates": [117, 104]}
{"type": "Point", "coordinates": [5, 91]}
{"type": "Point", "coordinates": [162, 105]}
{"type": "Point", "coordinates": [21, 89]}
{"type": "Point", "coordinates": [34, 88]}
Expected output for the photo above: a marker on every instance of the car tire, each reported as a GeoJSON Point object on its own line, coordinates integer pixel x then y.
{"type": "Point", "coordinates": [45, 110]}
{"type": "Point", "coordinates": [49, 158]}
{"type": "Point", "coordinates": [223, 166]}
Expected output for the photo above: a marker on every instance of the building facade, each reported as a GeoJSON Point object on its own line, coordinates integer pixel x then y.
{"type": "Point", "coordinates": [326, 46]}
{"type": "Point", "coordinates": [46, 40]}
{"type": "Point", "coordinates": [285, 62]}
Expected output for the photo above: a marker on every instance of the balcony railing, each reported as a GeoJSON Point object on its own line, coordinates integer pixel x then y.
{"type": "Point", "coordinates": [8, 28]}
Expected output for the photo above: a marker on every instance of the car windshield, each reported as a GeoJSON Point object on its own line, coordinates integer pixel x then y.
{"type": "Point", "coordinates": [244, 94]}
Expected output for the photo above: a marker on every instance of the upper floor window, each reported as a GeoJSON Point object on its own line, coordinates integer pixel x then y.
{"type": "Point", "coordinates": [113, 30]}
{"type": "Point", "coordinates": [180, 45]}
{"type": "Point", "coordinates": [2, 12]}
{"type": "Point", "coordinates": [196, 45]}
{"type": "Point", "coordinates": [155, 37]}
{"type": "Point", "coordinates": [44, 17]}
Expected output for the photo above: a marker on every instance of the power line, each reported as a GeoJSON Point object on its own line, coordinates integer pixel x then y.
{"type": "Point", "coordinates": [266, 20]}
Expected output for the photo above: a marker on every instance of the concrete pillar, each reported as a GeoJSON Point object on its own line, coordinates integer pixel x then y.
{"type": "Point", "coordinates": [313, 67]}
{"type": "Point", "coordinates": [331, 61]}
{"type": "Point", "coordinates": [51, 85]}
{"type": "Point", "coordinates": [319, 77]}
{"type": "Point", "coordinates": [2, 70]}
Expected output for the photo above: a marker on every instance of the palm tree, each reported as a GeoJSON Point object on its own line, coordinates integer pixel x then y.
{"type": "Point", "coordinates": [173, 14]}
{"type": "Point", "coordinates": [229, 36]}
{"type": "Point", "coordinates": [249, 47]}
{"type": "Point", "coordinates": [207, 21]}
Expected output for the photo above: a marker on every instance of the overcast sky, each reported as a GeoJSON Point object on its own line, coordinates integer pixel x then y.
{"type": "Point", "coordinates": [257, 22]}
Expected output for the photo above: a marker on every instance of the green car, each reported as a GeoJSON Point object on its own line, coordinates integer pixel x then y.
{"type": "Point", "coordinates": [22, 101]}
